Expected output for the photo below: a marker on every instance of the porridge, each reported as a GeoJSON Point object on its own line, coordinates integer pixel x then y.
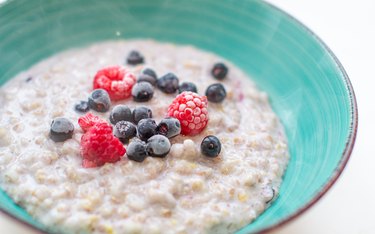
{"type": "Point", "coordinates": [183, 187]}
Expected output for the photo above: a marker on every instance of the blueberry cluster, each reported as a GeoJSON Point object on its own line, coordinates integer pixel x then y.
{"type": "Point", "coordinates": [169, 83]}
{"type": "Point", "coordinates": [98, 100]}
{"type": "Point", "coordinates": [216, 93]}
{"type": "Point", "coordinates": [152, 138]}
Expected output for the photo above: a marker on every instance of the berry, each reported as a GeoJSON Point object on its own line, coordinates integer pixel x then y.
{"type": "Point", "coordinates": [158, 146]}
{"type": "Point", "coordinates": [99, 100]}
{"type": "Point", "coordinates": [82, 106]}
{"type": "Point", "coordinates": [219, 71]}
{"type": "Point", "coordinates": [146, 128]}
{"type": "Point", "coordinates": [169, 127]}
{"type": "Point", "coordinates": [211, 146]}
{"type": "Point", "coordinates": [117, 81]}
{"type": "Point", "coordinates": [141, 112]}
{"type": "Point", "coordinates": [137, 151]}
{"type": "Point", "coordinates": [125, 130]}
{"type": "Point", "coordinates": [168, 83]}
{"type": "Point", "coordinates": [216, 93]}
{"type": "Point", "coordinates": [89, 120]}
{"type": "Point", "coordinates": [99, 146]}
{"type": "Point", "coordinates": [120, 112]}
{"type": "Point", "coordinates": [191, 110]}
{"type": "Point", "coordinates": [134, 58]}
{"type": "Point", "coordinates": [148, 75]}
{"type": "Point", "coordinates": [28, 79]}
{"type": "Point", "coordinates": [187, 86]}
{"type": "Point", "coordinates": [61, 129]}
{"type": "Point", "coordinates": [142, 91]}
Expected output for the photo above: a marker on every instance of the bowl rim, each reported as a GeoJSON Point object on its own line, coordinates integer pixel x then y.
{"type": "Point", "coordinates": [345, 155]}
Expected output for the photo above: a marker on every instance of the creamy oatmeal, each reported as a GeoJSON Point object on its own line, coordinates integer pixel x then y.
{"type": "Point", "coordinates": [184, 192]}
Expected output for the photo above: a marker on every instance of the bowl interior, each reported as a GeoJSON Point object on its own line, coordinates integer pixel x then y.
{"type": "Point", "coordinates": [307, 88]}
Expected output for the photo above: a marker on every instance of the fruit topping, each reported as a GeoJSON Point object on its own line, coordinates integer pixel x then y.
{"type": "Point", "coordinates": [142, 91]}
{"type": "Point", "coordinates": [89, 120]}
{"type": "Point", "coordinates": [148, 75]}
{"type": "Point", "coordinates": [82, 106]}
{"type": "Point", "coordinates": [117, 81]}
{"type": "Point", "coordinates": [158, 146]}
{"type": "Point", "coordinates": [169, 127]}
{"type": "Point", "coordinates": [211, 146]}
{"type": "Point", "coordinates": [219, 71]}
{"type": "Point", "coordinates": [61, 129]}
{"type": "Point", "coordinates": [99, 146]}
{"type": "Point", "coordinates": [146, 128]}
{"type": "Point", "coordinates": [120, 112]}
{"type": "Point", "coordinates": [137, 151]}
{"type": "Point", "coordinates": [216, 93]}
{"type": "Point", "coordinates": [187, 86]}
{"type": "Point", "coordinates": [125, 130]}
{"type": "Point", "coordinates": [191, 110]}
{"type": "Point", "coordinates": [134, 58]}
{"type": "Point", "coordinates": [141, 112]}
{"type": "Point", "coordinates": [99, 100]}
{"type": "Point", "coordinates": [168, 83]}
{"type": "Point", "coordinates": [28, 79]}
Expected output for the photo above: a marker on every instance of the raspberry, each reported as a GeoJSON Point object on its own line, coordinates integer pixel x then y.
{"type": "Point", "coordinates": [99, 146]}
{"type": "Point", "coordinates": [191, 110]}
{"type": "Point", "coordinates": [89, 120]}
{"type": "Point", "coordinates": [116, 80]}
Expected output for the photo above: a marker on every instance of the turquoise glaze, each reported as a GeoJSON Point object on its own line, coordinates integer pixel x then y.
{"type": "Point", "coordinates": [307, 86]}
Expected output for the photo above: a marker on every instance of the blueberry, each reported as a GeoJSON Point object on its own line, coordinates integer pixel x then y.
{"type": "Point", "coordinates": [120, 112]}
{"type": "Point", "coordinates": [134, 58]}
{"type": "Point", "coordinates": [61, 129]}
{"type": "Point", "coordinates": [187, 86]}
{"type": "Point", "coordinates": [219, 71]}
{"type": "Point", "coordinates": [146, 128]}
{"type": "Point", "coordinates": [211, 146]}
{"type": "Point", "coordinates": [216, 93]}
{"type": "Point", "coordinates": [125, 130]}
{"type": "Point", "coordinates": [142, 91]}
{"type": "Point", "coordinates": [169, 127]}
{"type": "Point", "coordinates": [82, 106]}
{"type": "Point", "coordinates": [158, 146]}
{"type": "Point", "coordinates": [137, 151]}
{"type": "Point", "coordinates": [28, 79]}
{"type": "Point", "coordinates": [141, 112]}
{"type": "Point", "coordinates": [168, 83]}
{"type": "Point", "coordinates": [99, 100]}
{"type": "Point", "coordinates": [148, 75]}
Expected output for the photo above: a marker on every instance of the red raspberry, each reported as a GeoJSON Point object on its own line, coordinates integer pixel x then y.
{"type": "Point", "coordinates": [116, 80]}
{"type": "Point", "coordinates": [89, 120]}
{"type": "Point", "coordinates": [99, 146]}
{"type": "Point", "coordinates": [191, 110]}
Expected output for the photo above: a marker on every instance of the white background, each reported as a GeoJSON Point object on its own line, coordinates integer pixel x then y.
{"type": "Point", "coordinates": [348, 28]}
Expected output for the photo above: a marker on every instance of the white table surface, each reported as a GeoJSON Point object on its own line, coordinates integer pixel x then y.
{"type": "Point", "coordinates": [348, 28]}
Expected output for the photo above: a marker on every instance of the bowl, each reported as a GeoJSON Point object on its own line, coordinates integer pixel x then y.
{"type": "Point", "coordinates": [308, 87]}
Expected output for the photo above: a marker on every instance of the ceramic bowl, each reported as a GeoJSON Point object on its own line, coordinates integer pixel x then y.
{"type": "Point", "coordinates": [308, 87]}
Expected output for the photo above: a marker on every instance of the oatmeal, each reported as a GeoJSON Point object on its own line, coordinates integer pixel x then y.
{"type": "Point", "coordinates": [182, 192]}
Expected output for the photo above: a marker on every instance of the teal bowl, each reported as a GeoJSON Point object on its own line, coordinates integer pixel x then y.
{"type": "Point", "coordinates": [308, 87]}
